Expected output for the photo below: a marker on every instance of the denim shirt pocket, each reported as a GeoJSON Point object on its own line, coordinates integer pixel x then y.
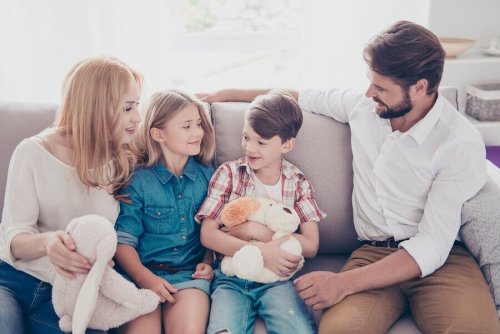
{"type": "Point", "coordinates": [159, 220]}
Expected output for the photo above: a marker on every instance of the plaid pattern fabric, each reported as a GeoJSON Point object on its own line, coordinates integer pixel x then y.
{"type": "Point", "coordinates": [232, 180]}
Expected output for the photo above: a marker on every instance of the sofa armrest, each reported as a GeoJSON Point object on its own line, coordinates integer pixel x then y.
{"type": "Point", "coordinates": [493, 172]}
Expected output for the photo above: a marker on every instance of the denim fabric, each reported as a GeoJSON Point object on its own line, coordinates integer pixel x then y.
{"type": "Point", "coordinates": [26, 304]}
{"type": "Point", "coordinates": [180, 280]}
{"type": "Point", "coordinates": [237, 302]}
{"type": "Point", "coordinates": [159, 222]}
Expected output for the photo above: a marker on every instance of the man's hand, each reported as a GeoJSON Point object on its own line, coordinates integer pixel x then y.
{"type": "Point", "coordinates": [217, 96]}
{"type": "Point", "coordinates": [280, 262]}
{"type": "Point", "coordinates": [321, 289]}
{"type": "Point", "coordinates": [203, 270]}
{"type": "Point", "coordinates": [60, 248]}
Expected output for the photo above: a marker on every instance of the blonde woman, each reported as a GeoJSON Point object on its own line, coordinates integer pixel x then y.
{"type": "Point", "coordinates": [69, 170]}
{"type": "Point", "coordinates": [159, 244]}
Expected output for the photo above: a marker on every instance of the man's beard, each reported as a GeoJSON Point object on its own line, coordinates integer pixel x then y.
{"type": "Point", "coordinates": [397, 111]}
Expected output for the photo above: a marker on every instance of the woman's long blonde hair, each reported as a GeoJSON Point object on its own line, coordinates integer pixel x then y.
{"type": "Point", "coordinates": [162, 107]}
{"type": "Point", "coordinates": [90, 115]}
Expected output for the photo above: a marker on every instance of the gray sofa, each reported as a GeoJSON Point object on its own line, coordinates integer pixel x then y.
{"type": "Point", "coordinates": [323, 153]}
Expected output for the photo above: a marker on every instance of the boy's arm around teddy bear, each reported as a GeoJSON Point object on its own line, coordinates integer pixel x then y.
{"type": "Point", "coordinates": [277, 260]}
{"type": "Point", "coordinates": [308, 238]}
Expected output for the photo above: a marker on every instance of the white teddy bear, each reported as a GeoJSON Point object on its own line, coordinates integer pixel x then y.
{"type": "Point", "coordinates": [248, 263]}
{"type": "Point", "coordinates": [101, 299]}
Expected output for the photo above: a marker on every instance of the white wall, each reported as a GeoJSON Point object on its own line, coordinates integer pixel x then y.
{"type": "Point", "coordinates": [476, 19]}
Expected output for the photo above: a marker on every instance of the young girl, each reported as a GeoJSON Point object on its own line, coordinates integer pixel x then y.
{"type": "Point", "coordinates": [159, 244]}
{"type": "Point", "coordinates": [69, 170]}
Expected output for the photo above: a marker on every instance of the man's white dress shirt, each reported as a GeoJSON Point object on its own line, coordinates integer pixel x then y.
{"type": "Point", "coordinates": [408, 185]}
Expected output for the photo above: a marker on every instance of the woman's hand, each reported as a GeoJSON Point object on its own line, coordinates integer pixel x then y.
{"type": "Point", "coordinates": [203, 270]}
{"type": "Point", "coordinates": [60, 248]}
{"type": "Point", "coordinates": [157, 284]}
{"type": "Point", "coordinates": [280, 262]}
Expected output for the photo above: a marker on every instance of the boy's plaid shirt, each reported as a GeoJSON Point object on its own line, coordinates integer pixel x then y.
{"type": "Point", "coordinates": [232, 180]}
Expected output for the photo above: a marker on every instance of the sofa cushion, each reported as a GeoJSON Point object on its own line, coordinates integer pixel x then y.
{"type": "Point", "coordinates": [480, 232]}
{"type": "Point", "coordinates": [322, 152]}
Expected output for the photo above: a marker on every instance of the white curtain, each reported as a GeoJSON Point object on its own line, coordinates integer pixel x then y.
{"type": "Point", "coordinates": [41, 40]}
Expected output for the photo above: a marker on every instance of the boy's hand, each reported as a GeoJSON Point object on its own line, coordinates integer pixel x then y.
{"type": "Point", "coordinates": [204, 270]}
{"type": "Point", "coordinates": [249, 231]}
{"type": "Point", "coordinates": [162, 288]}
{"type": "Point", "coordinates": [281, 262]}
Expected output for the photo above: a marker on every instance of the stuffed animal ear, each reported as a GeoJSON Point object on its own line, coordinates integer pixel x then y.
{"type": "Point", "coordinates": [87, 297]}
{"type": "Point", "coordinates": [237, 211]}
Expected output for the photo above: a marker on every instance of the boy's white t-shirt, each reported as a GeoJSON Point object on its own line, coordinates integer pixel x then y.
{"type": "Point", "coordinates": [263, 190]}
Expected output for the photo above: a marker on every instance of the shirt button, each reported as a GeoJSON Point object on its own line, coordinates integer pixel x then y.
{"type": "Point", "coordinates": [175, 249]}
{"type": "Point", "coordinates": [183, 237]}
{"type": "Point", "coordinates": [181, 177]}
{"type": "Point", "coordinates": [183, 218]}
{"type": "Point", "coordinates": [179, 196]}
{"type": "Point", "coordinates": [158, 213]}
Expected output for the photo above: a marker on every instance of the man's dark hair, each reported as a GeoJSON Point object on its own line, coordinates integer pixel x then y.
{"type": "Point", "coordinates": [276, 113]}
{"type": "Point", "coordinates": [407, 52]}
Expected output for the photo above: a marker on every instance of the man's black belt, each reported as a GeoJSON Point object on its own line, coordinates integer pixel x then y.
{"type": "Point", "coordinates": [391, 243]}
{"type": "Point", "coordinates": [388, 243]}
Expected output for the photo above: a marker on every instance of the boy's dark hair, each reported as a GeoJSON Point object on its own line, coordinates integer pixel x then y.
{"type": "Point", "coordinates": [276, 113]}
{"type": "Point", "coordinates": [407, 52]}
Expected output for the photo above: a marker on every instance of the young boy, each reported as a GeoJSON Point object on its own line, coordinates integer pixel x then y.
{"type": "Point", "coordinates": [271, 125]}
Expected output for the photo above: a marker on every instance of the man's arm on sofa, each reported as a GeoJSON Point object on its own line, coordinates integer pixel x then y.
{"type": "Point", "coordinates": [322, 289]}
{"type": "Point", "coordinates": [493, 172]}
{"type": "Point", "coordinates": [238, 95]}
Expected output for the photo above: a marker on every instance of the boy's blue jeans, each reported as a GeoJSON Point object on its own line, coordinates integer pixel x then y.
{"type": "Point", "coordinates": [237, 302]}
{"type": "Point", "coordinates": [26, 304]}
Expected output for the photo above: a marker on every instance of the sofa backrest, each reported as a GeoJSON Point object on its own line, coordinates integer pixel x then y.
{"type": "Point", "coordinates": [323, 153]}
{"type": "Point", "coordinates": [19, 121]}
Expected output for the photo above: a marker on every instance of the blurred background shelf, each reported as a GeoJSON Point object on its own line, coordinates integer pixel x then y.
{"type": "Point", "coordinates": [490, 130]}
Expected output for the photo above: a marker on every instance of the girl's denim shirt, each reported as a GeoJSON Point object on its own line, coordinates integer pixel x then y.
{"type": "Point", "coordinates": [159, 220]}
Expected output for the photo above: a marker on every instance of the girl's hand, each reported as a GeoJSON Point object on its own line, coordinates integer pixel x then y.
{"type": "Point", "coordinates": [162, 288]}
{"type": "Point", "coordinates": [276, 259]}
{"type": "Point", "coordinates": [60, 248]}
{"type": "Point", "coordinates": [204, 270]}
